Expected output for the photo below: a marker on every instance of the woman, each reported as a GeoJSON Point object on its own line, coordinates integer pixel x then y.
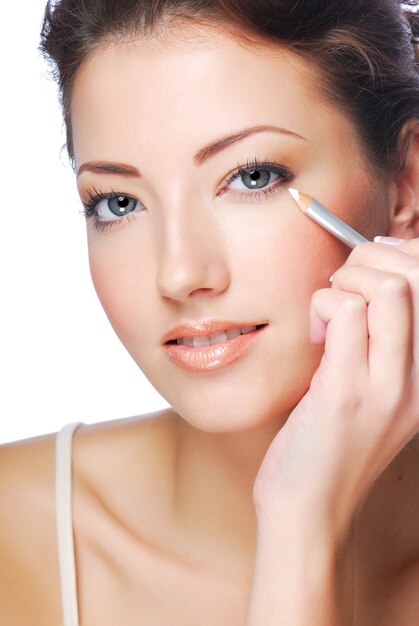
{"type": "Point", "coordinates": [281, 487]}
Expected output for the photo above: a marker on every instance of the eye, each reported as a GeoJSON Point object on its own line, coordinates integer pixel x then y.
{"type": "Point", "coordinates": [260, 179]}
{"type": "Point", "coordinates": [115, 206]}
{"type": "Point", "coordinates": [257, 180]}
{"type": "Point", "coordinates": [108, 210]}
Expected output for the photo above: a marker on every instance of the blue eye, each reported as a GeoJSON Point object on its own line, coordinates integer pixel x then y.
{"type": "Point", "coordinates": [117, 205]}
{"type": "Point", "coordinates": [108, 209]}
{"type": "Point", "coordinates": [260, 178]}
{"type": "Point", "coordinates": [256, 177]}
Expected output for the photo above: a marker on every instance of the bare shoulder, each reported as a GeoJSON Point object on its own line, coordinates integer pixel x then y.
{"type": "Point", "coordinates": [27, 531]}
{"type": "Point", "coordinates": [29, 572]}
{"type": "Point", "coordinates": [132, 434]}
{"type": "Point", "coordinates": [136, 453]}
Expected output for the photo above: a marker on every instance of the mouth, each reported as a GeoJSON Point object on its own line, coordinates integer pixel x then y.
{"type": "Point", "coordinates": [216, 338]}
{"type": "Point", "coordinates": [204, 353]}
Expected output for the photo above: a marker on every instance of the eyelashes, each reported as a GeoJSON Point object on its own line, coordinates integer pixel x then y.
{"type": "Point", "coordinates": [120, 201]}
{"type": "Point", "coordinates": [255, 172]}
{"type": "Point", "coordinates": [251, 172]}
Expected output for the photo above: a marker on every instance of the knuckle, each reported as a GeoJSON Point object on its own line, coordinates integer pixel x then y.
{"type": "Point", "coordinates": [361, 251]}
{"type": "Point", "coordinates": [395, 285]}
{"type": "Point", "coordinates": [353, 305]}
{"type": "Point", "coordinates": [413, 275]}
{"type": "Point", "coordinates": [318, 296]}
{"type": "Point", "coordinates": [320, 293]}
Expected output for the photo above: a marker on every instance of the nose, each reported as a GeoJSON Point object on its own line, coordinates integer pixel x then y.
{"type": "Point", "coordinates": [191, 258]}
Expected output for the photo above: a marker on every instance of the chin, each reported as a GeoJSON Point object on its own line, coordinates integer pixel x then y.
{"type": "Point", "coordinates": [254, 393]}
{"type": "Point", "coordinates": [234, 414]}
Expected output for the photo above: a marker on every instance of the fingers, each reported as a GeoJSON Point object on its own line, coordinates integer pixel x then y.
{"type": "Point", "coordinates": [389, 322]}
{"type": "Point", "coordinates": [402, 259]}
{"type": "Point", "coordinates": [369, 321]}
{"type": "Point", "coordinates": [405, 245]}
{"type": "Point", "coordinates": [346, 343]}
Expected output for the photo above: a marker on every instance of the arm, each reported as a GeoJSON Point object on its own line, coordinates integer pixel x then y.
{"type": "Point", "coordinates": [301, 577]}
{"type": "Point", "coordinates": [359, 412]}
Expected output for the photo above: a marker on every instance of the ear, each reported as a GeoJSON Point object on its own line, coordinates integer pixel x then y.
{"type": "Point", "coordinates": [404, 217]}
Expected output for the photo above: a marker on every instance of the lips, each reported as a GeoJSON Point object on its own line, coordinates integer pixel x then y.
{"type": "Point", "coordinates": [215, 338]}
{"type": "Point", "coordinates": [212, 357]}
{"type": "Point", "coordinates": [206, 328]}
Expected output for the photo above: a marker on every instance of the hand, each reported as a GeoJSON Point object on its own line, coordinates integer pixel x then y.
{"type": "Point", "coordinates": [362, 406]}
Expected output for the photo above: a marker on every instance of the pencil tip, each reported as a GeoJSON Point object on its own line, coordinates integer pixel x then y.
{"type": "Point", "coordinates": [294, 193]}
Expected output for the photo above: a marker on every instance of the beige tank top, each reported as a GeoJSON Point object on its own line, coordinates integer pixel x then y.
{"type": "Point", "coordinates": [64, 523]}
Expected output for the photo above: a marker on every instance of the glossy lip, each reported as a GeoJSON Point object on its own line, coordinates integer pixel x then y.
{"type": "Point", "coordinates": [203, 328]}
{"type": "Point", "coordinates": [207, 358]}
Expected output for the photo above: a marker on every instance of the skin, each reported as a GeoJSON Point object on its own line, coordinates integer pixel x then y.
{"type": "Point", "coordinates": [190, 255]}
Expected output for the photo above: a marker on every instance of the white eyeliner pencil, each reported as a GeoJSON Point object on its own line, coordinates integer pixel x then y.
{"type": "Point", "coordinates": [330, 222]}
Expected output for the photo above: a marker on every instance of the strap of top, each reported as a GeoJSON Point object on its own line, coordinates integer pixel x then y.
{"type": "Point", "coordinates": [64, 523]}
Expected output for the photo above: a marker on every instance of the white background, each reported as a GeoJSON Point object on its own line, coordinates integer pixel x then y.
{"type": "Point", "coordinates": [60, 359]}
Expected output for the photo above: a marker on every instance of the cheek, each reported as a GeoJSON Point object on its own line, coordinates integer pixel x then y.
{"type": "Point", "coordinates": [103, 282]}
{"type": "Point", "coordinates": [360, 205]}
{"type": "Point", "coordinates": [121, 286]}
{"type": "Point", "coordinates": [300, 262]}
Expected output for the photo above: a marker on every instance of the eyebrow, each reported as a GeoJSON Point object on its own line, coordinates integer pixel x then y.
{"type": "Point", "coordinates": [205, 153]}
{"type": "Point", "coordinates": [105, 167]}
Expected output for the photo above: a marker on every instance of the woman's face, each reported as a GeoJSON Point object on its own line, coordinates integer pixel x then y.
{"type": "Point", "coordinates": [197, 247]}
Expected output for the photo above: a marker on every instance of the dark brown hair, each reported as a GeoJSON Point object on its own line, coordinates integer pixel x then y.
{"type": "Point", "coordinates": [362, 48]}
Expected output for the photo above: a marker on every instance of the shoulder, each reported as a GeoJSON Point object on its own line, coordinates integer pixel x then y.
{"type": "Point", "coordinates": [125, 452]}
{"type": "Point", "coordinates": [29, 572]}
{"type": "Point", "coordinates": [27, 467]}
{"type": "Point", "coordinates": [26, 527]}
{"type": "Point", "coordinates": [26, 484]}
{"type": "Point", "coordinates": [124, 434]}
{"type": "Point", "coordinates": [124, 471]}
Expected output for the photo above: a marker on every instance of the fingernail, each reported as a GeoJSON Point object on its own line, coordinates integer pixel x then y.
{"type": "Point", "coordinates": [392, 241]}
{"type": "Point", "coordinates": [331, 278]}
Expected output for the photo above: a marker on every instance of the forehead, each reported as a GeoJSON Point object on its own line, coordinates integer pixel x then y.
{"type": "Point", "coordinates": [187, 90]}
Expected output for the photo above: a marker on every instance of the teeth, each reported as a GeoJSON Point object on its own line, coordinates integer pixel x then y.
{"type": "Point", "coordinates": [215, 338]}
{"type": "Point", "coordinates": [218, 338]}
{"type": "Point", "coordinates": [247, 330]}
{"type": "Point", "coordinates": [201, 341]}
{"type": "Point", "coordinates": [233, 332]}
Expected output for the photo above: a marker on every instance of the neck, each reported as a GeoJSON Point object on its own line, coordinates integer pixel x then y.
{"type": "Point", "coordinates": [215, 474]}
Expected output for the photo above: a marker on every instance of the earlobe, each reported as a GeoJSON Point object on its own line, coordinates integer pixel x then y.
{"type": "Point", "coordinates": [404, 219]}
